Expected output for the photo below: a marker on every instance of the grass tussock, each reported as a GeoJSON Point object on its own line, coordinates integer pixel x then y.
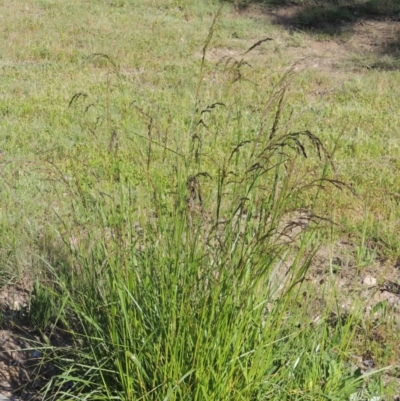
{"type": "Point", "coordinates": [193, 293]}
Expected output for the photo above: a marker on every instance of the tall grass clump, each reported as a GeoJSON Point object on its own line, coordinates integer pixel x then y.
{"type": "Point", "coordinates": [186, 254]}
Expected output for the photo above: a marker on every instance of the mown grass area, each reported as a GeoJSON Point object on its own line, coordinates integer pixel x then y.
{"type": "Point", "coordinates": [165, 191]}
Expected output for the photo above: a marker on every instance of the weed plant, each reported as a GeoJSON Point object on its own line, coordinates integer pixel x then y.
{"type": "Point", "coordinates": [185, 261]}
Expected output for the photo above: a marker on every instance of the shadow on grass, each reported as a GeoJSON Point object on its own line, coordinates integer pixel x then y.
{"type": "Point", "coordinates": [375, 20]}
{"type": "Point", "coordinates": [329, 16]}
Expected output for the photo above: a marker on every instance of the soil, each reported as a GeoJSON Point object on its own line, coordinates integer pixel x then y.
{"type": "Point", "coordinates": [24, 352]}
{"type": "Point", "coordinates": [16, 357]}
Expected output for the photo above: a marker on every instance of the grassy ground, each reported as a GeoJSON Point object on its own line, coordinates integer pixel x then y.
{"type": "Point", "coordinates": [166, 193]}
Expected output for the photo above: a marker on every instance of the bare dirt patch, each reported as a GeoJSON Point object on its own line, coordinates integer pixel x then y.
{"type": "Point", "coordinates": [25, 353]}
{"type": "Point", "coordinates": [342, 39]}
{"type": "Point", "coordinates": [335, 49]}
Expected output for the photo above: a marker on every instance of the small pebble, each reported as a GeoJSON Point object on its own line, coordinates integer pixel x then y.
{"type": "Point", "coordinates": [369, 363]}
{"type": "Point", "coordinates": [370, 281]}
{"type": "Point", "coordinates": [36, 354]}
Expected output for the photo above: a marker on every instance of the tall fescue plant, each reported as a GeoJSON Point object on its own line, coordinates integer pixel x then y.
{"type": "Point", "coordinates": [184, 283]}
